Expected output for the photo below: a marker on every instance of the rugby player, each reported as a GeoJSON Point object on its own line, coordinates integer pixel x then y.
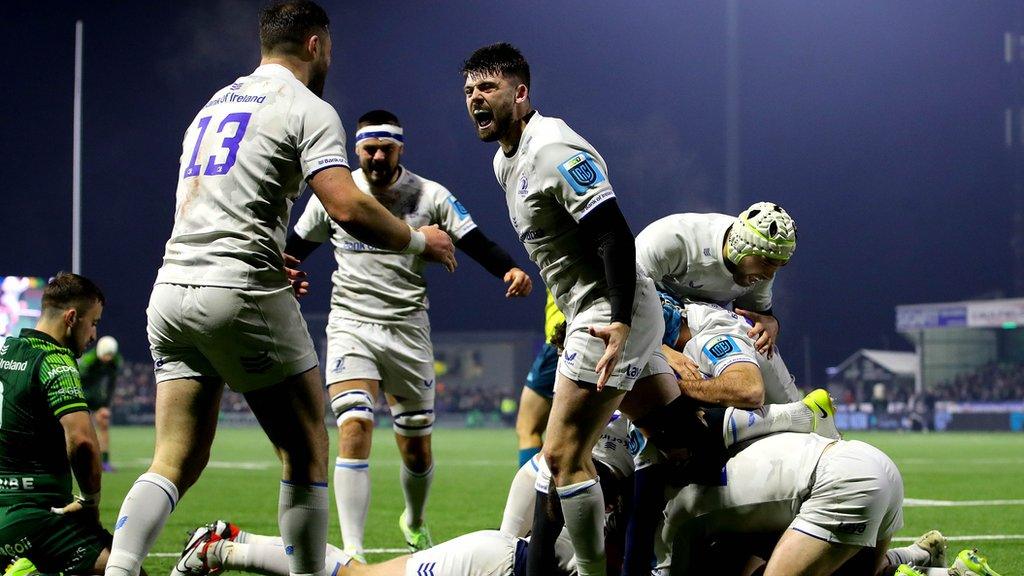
{"type": "Point", "coordinates": [100, 367]}
{"type": "Point", "coordinates": [722, 259]}
{"type": "Point", "coordinates": [836, 503]}
{"type": "Point", "coordinates": [378, 335]}
{"type": "Point", "coordinates": [563, 208]}
{"type": "Point", "coordinates": [48, 436]}
{"type": "Point", "coordinates": [222, 308]}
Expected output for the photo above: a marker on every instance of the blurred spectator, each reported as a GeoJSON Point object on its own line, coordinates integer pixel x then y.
{"type": "Point", "coordinates": [135, 394]}
{"type": "Point", "coordinates": [990, 383]}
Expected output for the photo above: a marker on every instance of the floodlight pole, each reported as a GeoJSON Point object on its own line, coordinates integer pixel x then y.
{"type": "Point", "coordinates": [1013, 136]}
{"type": "Point", "coordinates": [76, 160]}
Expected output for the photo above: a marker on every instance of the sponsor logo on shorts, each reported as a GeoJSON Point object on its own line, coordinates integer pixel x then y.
{"type": "Point", "coordinates": [428, 383]}
{"type": "Point", "coordinates": [632, 372]}
{"type": "Point", "coordinates": [160, 362]}
{"type": "Point", "coordinates": [524, 185]}
{"type": "Point", "coordinates": [707, 251]}
{"type": "Point", "coordinates": [289, 550]}
{"type": "Point", "coordinates": [339, 365]}
{"type": "Point", "coordinates": [120, 522]}
{"type": "Point", "coordinates": [257, 364]}
{"type": "Point", "coordinates": [570, 358]}
{"type": "Point", "coordinates": [851, 527]}
{"type": "Point", "coordinates": [426, 569]}
{"type": "Point", "coordinates": [17, 549]}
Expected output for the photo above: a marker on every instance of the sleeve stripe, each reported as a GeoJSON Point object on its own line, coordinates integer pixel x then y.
{"type": "Point", "coordinates": [77, 406]}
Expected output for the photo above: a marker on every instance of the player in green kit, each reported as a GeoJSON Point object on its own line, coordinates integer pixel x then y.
{"type": "Point", "coordinates": [46, 435]}
{"type": "Point", "coordinates": [99, 368]}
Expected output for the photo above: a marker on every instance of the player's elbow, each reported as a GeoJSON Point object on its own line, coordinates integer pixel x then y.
{"type": "Point", "coordinates": [748, 391]}
{"type": "Point", "coordinates": [80, 441]}
{"type": "Point", "coordinates": [343, 212]}
{"type": "Point", "coordinates": [752, 397]}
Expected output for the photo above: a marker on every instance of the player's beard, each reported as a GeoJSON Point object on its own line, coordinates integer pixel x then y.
{"type": "Point", "coordinates": [500, 125]}
{"type": "Point", "coordinates": [317, 79]}
{"type": "Point", "coordinates": [379, 175]}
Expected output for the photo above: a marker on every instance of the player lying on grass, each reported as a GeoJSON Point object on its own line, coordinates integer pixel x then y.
{"type": "Point", "coordinates": [836, 504]}
{"type": "Point", "coordinates": [221, 546]}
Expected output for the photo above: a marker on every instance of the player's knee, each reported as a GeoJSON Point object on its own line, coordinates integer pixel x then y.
{"type": "Point", "coordinates": [562, 461]}
{"type": "Point", "coordinates": [414, 423]}
{"type": "Point", "coordinates": [352, 405]}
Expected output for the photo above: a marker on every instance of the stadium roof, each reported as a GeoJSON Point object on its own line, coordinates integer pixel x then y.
{"type": "Point", "coordinates": [900, 363]}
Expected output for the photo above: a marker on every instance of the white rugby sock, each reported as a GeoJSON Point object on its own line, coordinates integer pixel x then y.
{"type": "Point", "coordinates": [518, 516]}
{"type": "Point", "coordinates": [583, 510]}
{"type": "Point", "coordinates": [352, 495]}
{"type": "Point", "coordinates": [250, 538]}
{"type": "Point", "coordinates": [143, 513]}
{"type": "Point", "coordinates": [740, 425]}
{"type": "Point", "coordinates": [302, 516]}
{"type": "Point", "coordinates": [416, 488]}
{"type": "Point", "coordinates": [265, 558]}
{"type": "Point", "coordinates": [913, 555]}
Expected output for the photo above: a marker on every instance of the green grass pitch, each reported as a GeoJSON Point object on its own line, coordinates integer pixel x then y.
{"type": "Point", "coordinates": [475, 467]}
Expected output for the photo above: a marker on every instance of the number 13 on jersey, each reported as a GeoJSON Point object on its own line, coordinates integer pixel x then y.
{"type": "Point", "coordinates": [230, 131]}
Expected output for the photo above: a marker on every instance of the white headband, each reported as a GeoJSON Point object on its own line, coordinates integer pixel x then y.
{"type": "Point", "coordinates": [381, 132]}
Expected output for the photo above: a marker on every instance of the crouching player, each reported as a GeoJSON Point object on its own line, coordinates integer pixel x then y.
{"type": "Point", "coordinates": [836, 504]}
{"type": "Point", "coordinates": [48, 437]}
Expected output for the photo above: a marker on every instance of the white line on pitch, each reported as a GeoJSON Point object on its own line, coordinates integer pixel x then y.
{"type": "Point", "coordinates": [924, 502]}
{"type": "Point", "coordinates": [967, 538]}
{"type": "Point", "coordinates": [273, 465]}
{"type": "Point", "coordinates": [367, 550]}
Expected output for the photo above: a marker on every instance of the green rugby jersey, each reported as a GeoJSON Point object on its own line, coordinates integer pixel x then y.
{"type": "Point", "coordinates": [98, 377]}
{"type": "Point", "coordinates": [39, 383]}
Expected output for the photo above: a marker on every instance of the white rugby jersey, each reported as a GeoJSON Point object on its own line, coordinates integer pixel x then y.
{"type": "Point", "coordinates": [244, 160]}
{"type": "Point", "coordinates": [682, 253]}
{"type": "Point", "coordinates": [553, 180]}
{"type": "Point", "coordinates": [374, 285]}
{"type": "Point", "coordinates": [613, 448]}
{"type": "Point", "coordinates": [765, 483]}
{"type": "Point", "coordinates": [719, 340]}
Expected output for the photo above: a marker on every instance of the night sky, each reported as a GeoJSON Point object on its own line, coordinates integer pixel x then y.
{"type": "Point", "coordinates": [878, 125]}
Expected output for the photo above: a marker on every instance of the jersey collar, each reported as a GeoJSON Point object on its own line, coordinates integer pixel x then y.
{"type": "Point", "coordinates": [33, 333]}
{"type": "Point", "coordinates": [275, 70]}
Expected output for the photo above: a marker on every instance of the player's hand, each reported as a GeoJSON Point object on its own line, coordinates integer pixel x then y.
{"type": "Point", "coordinates": [78, 506]}
{"type": "Point", "coordinates": [519, 283]}
{"type": "Point", "coordinates": [439, 247]}
{"type": "Point", "coordinates": [686, 369]}
{"type": "Point", "coordinates": [765, 330]}
{"type": "Point", "coordinates": [614, 336]}
{"type": "Point", "coordinates": [296, 277]}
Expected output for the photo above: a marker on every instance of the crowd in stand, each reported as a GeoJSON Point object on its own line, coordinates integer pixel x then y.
{"type": "Point", "coordinates": [991, 383]}
{"type": "Point", "coordinates": [135, 397]}
{"type": "Point", "coordinates": [135, 394]}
